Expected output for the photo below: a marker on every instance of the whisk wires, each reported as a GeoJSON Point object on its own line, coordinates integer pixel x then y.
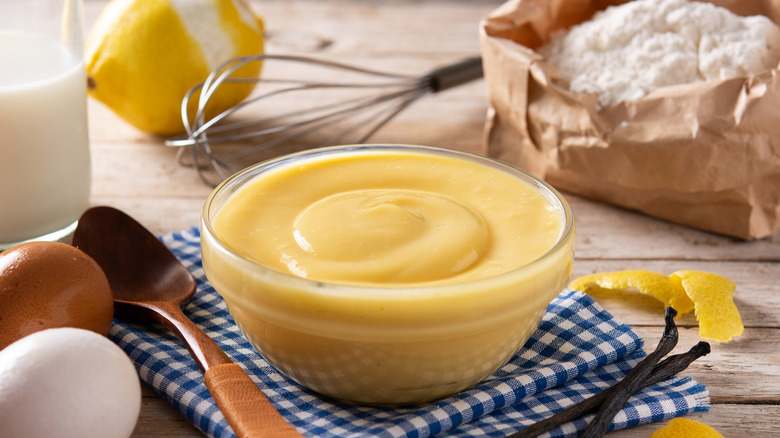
{"type": "Point", "coordinates": [341, 117]}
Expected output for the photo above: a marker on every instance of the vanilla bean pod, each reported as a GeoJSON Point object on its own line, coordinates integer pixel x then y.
{"type": "Point", "coordinates": [660, 372]}
{"type": "Point", "coordinates": [669, 367]}
{"type": "Point", "coordinates": [633, 381]}
{"type": "Point", "coordinates": [676, 363]}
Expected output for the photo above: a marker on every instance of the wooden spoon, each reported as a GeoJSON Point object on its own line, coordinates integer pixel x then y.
{"type": "Point", "coordinates": [150, 284]}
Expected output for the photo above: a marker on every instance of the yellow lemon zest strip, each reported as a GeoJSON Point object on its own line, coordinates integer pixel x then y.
{"type": "Point", "coordinates": [715, 310]}
{"type": "Point", "coordinates": [685, 428]}
{"type": "Point", "coordinates": [660, 286]}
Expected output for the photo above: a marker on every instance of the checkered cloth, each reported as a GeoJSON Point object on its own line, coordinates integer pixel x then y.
{"type": "Point", "coordinates": [577, 350]}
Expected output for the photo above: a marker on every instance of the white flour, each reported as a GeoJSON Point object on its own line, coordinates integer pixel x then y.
{"type": "Point", "coordinates": [626, 51]}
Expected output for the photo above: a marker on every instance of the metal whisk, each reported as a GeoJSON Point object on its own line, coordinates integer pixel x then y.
{"type": "Point", "coordinates": [334, 112]}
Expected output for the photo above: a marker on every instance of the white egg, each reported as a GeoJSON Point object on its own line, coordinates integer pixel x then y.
{"type": "Point", "coordinates": [67, 383]}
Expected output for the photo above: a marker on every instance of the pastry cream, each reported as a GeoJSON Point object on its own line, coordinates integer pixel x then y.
{"type": "Point", "coordinates": [389, 218]}
{"type": "Point", "coordinates": [386, 274]}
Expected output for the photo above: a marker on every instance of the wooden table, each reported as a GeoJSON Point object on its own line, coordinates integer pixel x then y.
{"type": "Point", "coordinates": [137, 173]}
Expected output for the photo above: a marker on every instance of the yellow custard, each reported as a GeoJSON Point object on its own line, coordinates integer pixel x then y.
{"type": "Point", "coordinates": [389, 218]}
{"type": "Point", "coordinates": [386, 274]}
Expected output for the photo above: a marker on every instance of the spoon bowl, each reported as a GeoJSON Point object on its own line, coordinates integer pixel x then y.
{"type": "Point", "coordinates": [148, 272]}
{"type": "Point", "coordinates": [150, 284]}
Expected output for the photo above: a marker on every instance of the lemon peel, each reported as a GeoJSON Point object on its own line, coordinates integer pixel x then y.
{"type": "Point", "coordinates": [647, 282]}
{"type": "Point", "coordinates": [686, 428]}
{"type": "Point", "coordinates": [715, 310]}
{"type": "Point", "coordinates": [142, 56]}
{"type": "Point", "coordinates": [709, 295]}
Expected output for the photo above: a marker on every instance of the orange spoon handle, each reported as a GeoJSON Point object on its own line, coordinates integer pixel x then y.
{"type": "Point", "coordinates": [203, 349]}
{"type": "Point", "coordinates": [245, 407]}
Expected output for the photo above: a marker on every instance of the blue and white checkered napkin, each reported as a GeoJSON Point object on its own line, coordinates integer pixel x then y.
{"type": "Point", "coordinates": [577, 350]}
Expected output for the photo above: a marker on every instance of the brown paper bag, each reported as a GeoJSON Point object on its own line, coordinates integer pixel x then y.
{"type": "Point", "coordinates": [705, 155]}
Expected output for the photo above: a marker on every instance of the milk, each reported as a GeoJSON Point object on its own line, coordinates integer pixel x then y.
{"type": "Point", "coordinates": [44, 149]}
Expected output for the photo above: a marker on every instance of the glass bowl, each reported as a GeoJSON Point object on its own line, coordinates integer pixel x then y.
{"type": "Point", "coordinates": [390, 343]}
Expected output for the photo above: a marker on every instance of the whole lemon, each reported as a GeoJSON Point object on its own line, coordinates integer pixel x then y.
{"type": "Point", "coordinates": [142, 56]}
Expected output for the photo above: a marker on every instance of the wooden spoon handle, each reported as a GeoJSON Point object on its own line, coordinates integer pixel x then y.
{"type": "Point", "coordinates": [245, 407]}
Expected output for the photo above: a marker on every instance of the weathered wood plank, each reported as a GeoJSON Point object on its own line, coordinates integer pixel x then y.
{"type": "Point", "coordinates": [732, 421]}
{"type": "Point", "coordinates": [609, 232]}
{"type": "Point", "coordinates": [160, 419]}
{"type": "Point", "coordinates": [734, 372]}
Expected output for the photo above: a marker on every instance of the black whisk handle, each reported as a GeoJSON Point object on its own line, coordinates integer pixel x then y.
{"type": "Point", "coordinates": [455, 74]}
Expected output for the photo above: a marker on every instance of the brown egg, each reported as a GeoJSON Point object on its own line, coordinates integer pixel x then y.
{"type": "Point", "coordinates": [47, 285]}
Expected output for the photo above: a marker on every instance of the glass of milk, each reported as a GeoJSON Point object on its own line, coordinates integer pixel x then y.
{"type": "Point", "coordinates": [44, 147]}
